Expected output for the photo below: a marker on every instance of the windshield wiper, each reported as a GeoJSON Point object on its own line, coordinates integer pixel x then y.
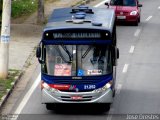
{"type": "Point", "coordinates": [63, 58]}
{"type": "Point", "coordinates": [68, 53]}
{"type": "Point", "coordinates": [87, 51]}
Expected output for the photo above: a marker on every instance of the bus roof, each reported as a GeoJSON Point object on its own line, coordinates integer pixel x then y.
{"type": "Point", "coordinates": [100, 18]}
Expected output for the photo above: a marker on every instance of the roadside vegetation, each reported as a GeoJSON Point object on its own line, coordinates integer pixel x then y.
{"type": "Point", "coordinates": [7, 83]}
{"type": "Point", "coordinates": [23, 7]}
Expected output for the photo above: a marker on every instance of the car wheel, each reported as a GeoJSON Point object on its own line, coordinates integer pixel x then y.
{"type": "Point", "coordinates": [136, 23]}
{"type": "Point", "coordinates": [139, 19]}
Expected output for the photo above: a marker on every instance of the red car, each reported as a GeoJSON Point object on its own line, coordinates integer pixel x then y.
{"type": "Point", "coordinates": [126, 10]}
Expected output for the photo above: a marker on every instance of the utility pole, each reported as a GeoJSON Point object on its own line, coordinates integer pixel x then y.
{"type": "Point", "coordinates": [40, 16]}
{"type": "Point", "coordinates": [5, 37]}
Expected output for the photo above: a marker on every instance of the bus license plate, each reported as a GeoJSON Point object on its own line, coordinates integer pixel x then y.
{"type": "Point", "coordinates": [76, 97]}
{"type": "Point", "coordinates": [121, 17]}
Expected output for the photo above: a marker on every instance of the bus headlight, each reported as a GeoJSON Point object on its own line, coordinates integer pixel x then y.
{"type": "Point", "coordinates": [45, 85]}
{"type": "Point", "coordinates": [133, 13]}
{"type": "Point", "coordinates": [104, 88]}
{"type": "Point", "coordinates": [48, 88]}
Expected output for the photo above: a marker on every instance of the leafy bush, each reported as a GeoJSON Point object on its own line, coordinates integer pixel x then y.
{"type": "Point", "coordinates": [23, 7]}
{"type": "Point", "coordinates": [6, 83]}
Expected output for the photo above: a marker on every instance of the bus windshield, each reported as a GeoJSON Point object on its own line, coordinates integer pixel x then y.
{"type": "Point", "coordinates": [123, 2]}
{"type": "Point", "coordinates": [77, 60]}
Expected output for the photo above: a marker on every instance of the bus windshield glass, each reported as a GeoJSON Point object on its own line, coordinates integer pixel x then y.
{"type": "Point", "coordinates": [123, 2]}
{"type": "Point", "coordinates": [77, 60]}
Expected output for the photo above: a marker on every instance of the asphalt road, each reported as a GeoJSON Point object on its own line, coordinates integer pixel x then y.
{"type": "Point", "coordinates": [138, 75]}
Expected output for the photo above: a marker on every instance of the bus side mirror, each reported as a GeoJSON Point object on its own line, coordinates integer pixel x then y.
{"type": "Point", "coordinates": [38, 55]}
{"type": "Point", "coordinates": [107, 4]}
{"type": "Point", "coordinates": [38, 52]}
{"type": "Point", "coordinates": [115, 56]}
{"type": "Point", "coordinates": [117, 53]}
{"type": "Point", "coordinates": [140, 5]}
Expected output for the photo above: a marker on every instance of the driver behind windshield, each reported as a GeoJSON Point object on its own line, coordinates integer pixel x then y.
{"type": "Point", "coordinates": [98, 54]}
{"type": "Point", "coordinates": [123, 2]}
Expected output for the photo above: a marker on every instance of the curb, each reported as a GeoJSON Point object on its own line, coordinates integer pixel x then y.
{"type": "Point", "coordinates": [9, 91]}
{"type": "Point", "coordinates": [17, 78]}
{"type": "Point", "coordinates": [83, 2]}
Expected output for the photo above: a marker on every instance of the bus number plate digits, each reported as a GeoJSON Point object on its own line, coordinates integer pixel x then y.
{"type": "Point", "coordinates": [88, 87]}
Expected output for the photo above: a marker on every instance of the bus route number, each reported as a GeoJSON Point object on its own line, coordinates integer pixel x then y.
{"type": "Point", "coordinates": [88, 87]}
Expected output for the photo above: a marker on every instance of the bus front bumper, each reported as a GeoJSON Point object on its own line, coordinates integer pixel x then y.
{"type": "Point", "coordinates": [77, 97]}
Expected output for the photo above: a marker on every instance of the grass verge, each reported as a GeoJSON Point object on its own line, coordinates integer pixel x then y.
{"type": "Point", "coordinates": [23, 7]}
{"type": "Point", "coordinates": [6, 84]}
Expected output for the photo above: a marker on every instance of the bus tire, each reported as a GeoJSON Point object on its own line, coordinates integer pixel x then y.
{"type": "Point", "coordinates": [105, 107]}
{"type": "Point", "coordinates": [49, 106]}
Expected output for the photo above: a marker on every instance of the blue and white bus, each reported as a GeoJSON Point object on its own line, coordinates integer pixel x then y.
{"type": "Point", "coordinates": [78, 56]}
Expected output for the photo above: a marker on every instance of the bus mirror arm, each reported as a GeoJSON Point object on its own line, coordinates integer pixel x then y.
{"type": "Point", "coordinates": [38, 54]}
{"type": "Point", "coordinates": [107, 4]}
{"type": "Point", "coordinates": [40, 61]}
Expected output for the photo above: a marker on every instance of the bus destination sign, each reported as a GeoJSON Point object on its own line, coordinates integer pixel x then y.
{"type": "Point", "coordinates": [76, 35]}
{"type": "Point", "coordinates": [81, 34]}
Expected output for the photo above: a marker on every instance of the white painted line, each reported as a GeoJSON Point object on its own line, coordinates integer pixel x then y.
{"type": "Point", "coordinates": [148, 18]}
{"type": "Point", "coordinates": [159, 7]}
{"type": "Point", "coordinates": [27, 96]}
{"type": "Point", "coordinates": [136, 34]}
{"type": "Point", "coordinates": [109, 117]}
{"type": "Point", "coordinates": [119, 87]}
{"type": "Point", "coordinates": [101, 3]}
{"type": "Point", "coordinates": [125, 68]}
{"type": "Point", "coordinates": [131, 49]}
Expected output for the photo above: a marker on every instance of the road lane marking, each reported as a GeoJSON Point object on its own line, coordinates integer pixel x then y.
{"type": "Point", "coordinates": [148, 18]}
{"type": "Point", "coordinates": [119, 87]}
{"type": "Point", "coordinates": [28, 95]}
{"type": "Point", "coordinates": [101, 3]}
{"type": "Point", "coordinates": [125, 68]}
{"type": "Point", "coordinates": [159, 7]}
{"type": "Point", "coordinates": [110, 113]}
{"type": "Point", "coordinates": [131, 49]}
{"type": "Point", "coordinates": [136, 34]}
{"type": "Point", "coordinates": [109, 117]}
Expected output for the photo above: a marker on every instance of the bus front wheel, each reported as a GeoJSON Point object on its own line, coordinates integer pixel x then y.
{"type": "Point", "coordinates": [105, 107]}
{"type": "Point", "coordinates": [50, 106]}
